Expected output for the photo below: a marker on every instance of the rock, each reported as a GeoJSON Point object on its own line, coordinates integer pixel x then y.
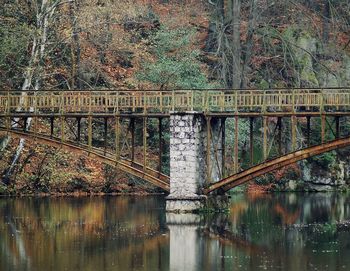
{"type": "Point", "coordinates": [292, 185]}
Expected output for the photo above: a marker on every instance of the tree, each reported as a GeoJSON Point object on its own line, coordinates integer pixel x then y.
{"type": "Point", "coordinates": [226, 41]}
{"type": "Point", "coordinates": [176, 64]}
{"type": "Point", "coordinates": [75, 45]}
{"type": "Point", "coordinates": [44, 12]}
{"type": "Point", "coordinates": [15, 36]}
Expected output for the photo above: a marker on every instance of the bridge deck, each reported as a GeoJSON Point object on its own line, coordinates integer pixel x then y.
{"type": "Point", "coordinates": [161, 103]}
{"type": "Point", "coordinates": [17, 106]}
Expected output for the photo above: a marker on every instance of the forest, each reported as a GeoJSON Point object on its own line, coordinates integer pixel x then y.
{"type": "Point", "coordinates": [166, 45]}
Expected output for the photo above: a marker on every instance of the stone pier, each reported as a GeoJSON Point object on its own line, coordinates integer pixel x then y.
{"type": "Point", "coordinates": [188, 160]}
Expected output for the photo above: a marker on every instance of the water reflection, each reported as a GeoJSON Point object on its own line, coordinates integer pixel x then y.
{"type": "Point", "coordinates": [83, 234]}
{"type": "Point", "coordinates": [274, 232]}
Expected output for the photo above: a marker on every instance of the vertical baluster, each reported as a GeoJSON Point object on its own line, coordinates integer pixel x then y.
{"type": "Point", "coordinates": [8, 112]}
{"type": "Point", "coordinates": [106, 101]}
{"type": "Point", "coordinates": [192, 99]}
{"type": "Point", "coordinates": [161, 101]}
{"type": "Point", "coordinates": [236, 101]}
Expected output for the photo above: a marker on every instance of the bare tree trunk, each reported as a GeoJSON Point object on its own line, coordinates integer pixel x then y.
{"type": "Point", "coordinates": [236, 44]}
{"type": "Point", "coordinates": [249, 43]}
{"type": "Point", "coordinates": [75, 47]}
{"type": "Point", "coordinates": [44, 14]}
{"type": "Point", "coordinates": [325, 21]}
{"type": "Point", "coordinates": [3, 143]}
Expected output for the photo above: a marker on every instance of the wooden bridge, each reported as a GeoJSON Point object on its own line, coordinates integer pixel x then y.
{"type": "Point", "coordinates": [103, 125]}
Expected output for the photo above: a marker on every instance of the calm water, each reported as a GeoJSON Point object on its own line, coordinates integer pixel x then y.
{"type": "Point", "coordinates": [270, 232]}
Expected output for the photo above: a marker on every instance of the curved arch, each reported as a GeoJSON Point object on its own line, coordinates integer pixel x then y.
{"type": "Point", "coordinates": [152, 176]}
{"type": "Point", "coordinates": [271, 165]}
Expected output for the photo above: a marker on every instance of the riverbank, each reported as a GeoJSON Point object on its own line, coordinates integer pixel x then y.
{"type": "Point", "coordinates": [44, 170]}
{"type": "Point", "coordinates": [252, 190]}
{"type": "Point", "coordinates": [79, 194]}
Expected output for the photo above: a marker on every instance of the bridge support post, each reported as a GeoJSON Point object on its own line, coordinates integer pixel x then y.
{"type": "Point", "coordinates": [105, 135]}
{"type": "Point", "coordinates": [132, 129]}
{"type": "Point", "coordinates": [25, 124]}
{"type": "Point", "coordinates": [279, 125]}
{"type": "Point", "coordinates": [117, 137]}
{"type": "Point", "coordinates": [251, 140]}
{"type": "Point", "coordinates": [236, 166]}
{"type": "Point", "coordinates": [79, 129]}
{"type": "Point", "coordinates": [294, 123]}
{"type": "Point", "coordinates": [160, 147]}
{"type": "Point", "coordinates": [90, 132]}
{"type": "Point", "coordinates": [308, 130]}
{"type": "Point", "coordinates": [265, 134]}
{"type": "Point", "coordinates": [62, 128]}
{"type": "Point", "coordinates": [52, 123]}
{"type": "Point", "coordinates": [337, 127]}
{"type": "Point", "coordinates": [323, 128]}
{"type": "Point", "coordinates": [188, 165]}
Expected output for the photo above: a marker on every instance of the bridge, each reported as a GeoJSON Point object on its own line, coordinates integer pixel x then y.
{"type": "Point", "coordinates": [115, 127]}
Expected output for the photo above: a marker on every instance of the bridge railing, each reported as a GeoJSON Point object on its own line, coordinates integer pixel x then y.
{"type": "Point", "coordinates": [179, 100]}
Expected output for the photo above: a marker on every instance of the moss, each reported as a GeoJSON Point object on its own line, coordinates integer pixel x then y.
{"type": "Point", "coordinates": [306, 42]}
{"type": "Point", "coordinates": [302, 44]}
{"type": "Point", "coordinates": [264, 84]}
{"type": "Point", "coordinates": [265, 179]}
{"type": "Point", "coordinates": [3, 189]}
{"type": "Point", "coordinates": [325, 160]}
{"type": "Point", "coordinates": [307, 73]}
{"type": "Point", "coordinates": [238, 189]}
{"type": "Point", "coordinates": [215, 204]}
{"type": "Point", "coordinates": [345, 75]}
{"type": "Point", "coordinates": [290, 34]}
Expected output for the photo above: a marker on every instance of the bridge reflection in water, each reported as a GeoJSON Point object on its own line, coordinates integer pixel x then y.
{"type": "Point", "coordinates": [196, 122]}
{"type": "Point", "coordinates": [273, 232]}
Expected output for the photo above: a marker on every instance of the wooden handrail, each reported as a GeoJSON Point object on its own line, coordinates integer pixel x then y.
{"type": "Point", "coordinates": [286, 100]}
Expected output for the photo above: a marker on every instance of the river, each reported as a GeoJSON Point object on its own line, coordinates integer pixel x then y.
{"type": "Point", "coordinates": [261, 232]}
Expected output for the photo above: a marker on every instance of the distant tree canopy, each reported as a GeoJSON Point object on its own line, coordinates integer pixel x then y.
{"type": "Point", "coordinates": [254, 47]}
{"type": "Point", "coordinates": [15, 36]}
{"type": "Point", "coordinates": [158, 44]}
{"type": "Point", "coordinates": [177, 64]}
